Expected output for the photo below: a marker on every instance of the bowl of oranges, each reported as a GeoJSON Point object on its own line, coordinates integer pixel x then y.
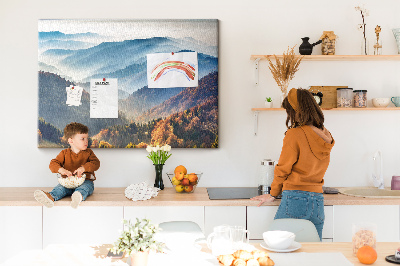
{"type": "Point", "coordinates": [182, 181]}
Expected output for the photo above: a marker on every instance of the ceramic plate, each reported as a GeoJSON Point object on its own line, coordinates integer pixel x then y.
{"type": "Point", "coordinates": [392, 259]}
{"type": "Point", "coordinates": [293, 247]}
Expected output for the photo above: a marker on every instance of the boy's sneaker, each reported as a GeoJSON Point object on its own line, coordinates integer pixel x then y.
{"type": "Point", "coordinates": [44, 197]}
{"type": "Point", "coordinates": [76, 199]}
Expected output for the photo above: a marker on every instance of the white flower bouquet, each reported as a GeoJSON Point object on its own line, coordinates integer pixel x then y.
{"type": "Point", "coordinates": [158, 155]}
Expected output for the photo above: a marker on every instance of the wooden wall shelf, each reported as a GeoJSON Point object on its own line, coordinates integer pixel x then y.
{"type": "Point", "coordinates": [336, 57]}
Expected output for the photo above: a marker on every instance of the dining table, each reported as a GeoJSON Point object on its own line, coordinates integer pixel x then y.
{"type": "Point", "coordinates": [87, 255]}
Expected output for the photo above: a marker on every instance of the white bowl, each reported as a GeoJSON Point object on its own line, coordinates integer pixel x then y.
{"type": "Point", "coordinates": [279, 239]}
{"type": "Point", "coordinates": [380, 102]}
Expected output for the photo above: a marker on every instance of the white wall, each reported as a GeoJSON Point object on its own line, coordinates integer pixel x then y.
{"type": "Point", "coordinates": [246, 27]}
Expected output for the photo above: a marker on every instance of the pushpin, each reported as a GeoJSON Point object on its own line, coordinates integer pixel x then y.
{"type": "Point", "coordinates": [172, 53]}
{"type": "Point", "coordinates": [72, 87]}
{"type": "Point", "coordinates": [104, 79]}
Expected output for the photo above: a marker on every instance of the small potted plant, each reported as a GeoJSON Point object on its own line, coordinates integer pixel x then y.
{"type": "Point", "coordinates": [137, 240]}
{"type": "Point", "coordinates": [268, 102]}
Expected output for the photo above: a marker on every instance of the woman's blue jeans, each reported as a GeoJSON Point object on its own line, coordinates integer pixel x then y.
{"type": "Point", "coordinates": [86, 189]}
{"type": "Point", "coordinates": [306, 205]}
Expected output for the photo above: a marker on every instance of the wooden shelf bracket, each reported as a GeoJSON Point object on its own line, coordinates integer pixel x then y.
{"type": "Point", "coordinates": [255, 122]}
{"type": "Point", "coordinates": [256, 67]}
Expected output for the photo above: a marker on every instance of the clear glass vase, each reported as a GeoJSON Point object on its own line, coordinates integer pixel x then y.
{"type": "Point", "coordinates": [364, 46]}
{"type": "Point", "coordinates": [159, 181]}
{"type": "Point", "coordinates": [284, 93]}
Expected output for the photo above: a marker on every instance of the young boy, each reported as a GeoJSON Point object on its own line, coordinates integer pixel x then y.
{"type": "Point", "coordinates": [76, 160]}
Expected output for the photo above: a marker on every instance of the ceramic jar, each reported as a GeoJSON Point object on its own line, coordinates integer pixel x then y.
{"type": "Point", "coordinates": [395, 185]}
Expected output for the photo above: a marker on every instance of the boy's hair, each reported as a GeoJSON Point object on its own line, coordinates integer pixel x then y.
{"type": "Point", "coordinates": [74, 128]}
{"type": "Point", "coordinates": [309, 113]}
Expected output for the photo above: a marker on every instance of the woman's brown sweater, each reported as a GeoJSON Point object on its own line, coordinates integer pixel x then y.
{"type": "Point", "coordinates": [303, 161]}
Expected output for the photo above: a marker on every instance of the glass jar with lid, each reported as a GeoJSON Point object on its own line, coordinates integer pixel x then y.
{"type": "Point", "coordinates": [360, 98]}
{"type": "Point", "coordinates": [344, 97]}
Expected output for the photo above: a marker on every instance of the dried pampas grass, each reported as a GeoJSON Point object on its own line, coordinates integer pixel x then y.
{"type": "Point", "coordinates": [283, 71]}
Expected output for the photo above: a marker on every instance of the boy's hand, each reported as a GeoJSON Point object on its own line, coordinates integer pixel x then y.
{"type": "Point", "coordinates": [80, 171]}
{"type": "Point", "coordinates": [263, 198]}
{"type": "Point", "coordinates": [63, 171]}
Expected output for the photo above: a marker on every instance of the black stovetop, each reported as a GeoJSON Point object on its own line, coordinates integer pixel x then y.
{"type": "Point", "coordinates": [225, 193]}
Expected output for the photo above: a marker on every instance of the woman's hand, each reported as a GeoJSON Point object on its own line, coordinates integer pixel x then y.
{"type": "Point", "coordinates": [263, 198]}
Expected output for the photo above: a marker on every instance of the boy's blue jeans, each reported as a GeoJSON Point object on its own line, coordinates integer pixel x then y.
{"type": "Point", "coordinates": [306, 205]}
{"type": "Point", "coordinates": [86, 189]}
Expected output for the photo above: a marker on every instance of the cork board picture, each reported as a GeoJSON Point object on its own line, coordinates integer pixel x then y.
{"type": "Point", "coordinates": [132, 82]}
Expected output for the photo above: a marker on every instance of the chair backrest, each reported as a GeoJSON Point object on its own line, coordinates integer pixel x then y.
{"type": "Point", "coordinates": [176, 227]}
{"type": "Point", "coordinates": [180, 226]}
{"type": "Point", "coordinates": [304, 230]}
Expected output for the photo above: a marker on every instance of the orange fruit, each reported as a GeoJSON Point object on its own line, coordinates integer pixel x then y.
{"type": "Point", "coordinates": [180, 169]}
{"type": "Point", "coordinates": [367, 255]}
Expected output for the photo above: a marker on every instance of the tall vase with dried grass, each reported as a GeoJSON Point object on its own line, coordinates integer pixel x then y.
{"type": "Point", "coordinates": [283, 71]}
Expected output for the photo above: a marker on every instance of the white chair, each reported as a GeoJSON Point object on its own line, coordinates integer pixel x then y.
{"type": "Point", "coordinates": [178, 234]}
{"type": "Point", "coordinates": [304, 230]}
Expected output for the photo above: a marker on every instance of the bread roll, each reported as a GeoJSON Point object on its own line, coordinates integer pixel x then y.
{"type": "Point", "coordinates": [252, 262]}
{"type": "Point", "coordinates": [243, 254]}
{"type": "Point", "coordinates": [259, 253]}
{"type": "Point", "coordinates": [239, 262]}
{"type": "Point", "coordinates": [226, 260]}
{"type": "Point", "coordinates": [265, 261]}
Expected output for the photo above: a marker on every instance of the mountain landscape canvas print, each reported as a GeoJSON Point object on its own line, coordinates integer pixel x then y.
{"type": "Point", "coordinates": [132, 82]}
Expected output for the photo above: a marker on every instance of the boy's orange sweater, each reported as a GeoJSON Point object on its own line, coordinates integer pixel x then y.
{"type": "Point", "coordinates": [303, 161]}
{"type": "Point", "coordinates": [71, 161]}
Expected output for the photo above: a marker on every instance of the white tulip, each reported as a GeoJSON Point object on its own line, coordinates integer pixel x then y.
{"type": "Point", "coordinates": [167, 147]}
{"type": "Point", "coordinates": [149, 148]}
{"type": "Point", "coordinates": [155, 149]}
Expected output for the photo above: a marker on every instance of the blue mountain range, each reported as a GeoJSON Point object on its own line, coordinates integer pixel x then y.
{"type": "Point", "coordinates": [125, 60]}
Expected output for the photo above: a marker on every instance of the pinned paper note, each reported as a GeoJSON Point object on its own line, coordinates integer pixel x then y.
{"type": "Point", "coordinates": [168, 70]}
{"type": "Point", "coordinates": [74, 95]}
{"type": "Point", "coordinates": [104, 98]}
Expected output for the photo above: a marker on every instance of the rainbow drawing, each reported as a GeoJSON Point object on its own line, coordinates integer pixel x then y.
{"type": "Point", "coordinates": [166, 66]}
{"type": "Point", "coordinates": [167, 70]}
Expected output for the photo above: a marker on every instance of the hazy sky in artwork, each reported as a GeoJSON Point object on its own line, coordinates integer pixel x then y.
{"type": "Point", "coordinates": [204, 31]}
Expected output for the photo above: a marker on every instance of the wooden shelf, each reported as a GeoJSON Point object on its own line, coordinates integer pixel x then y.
{"type": "Point", "coordinates": [336, 57]}
{"type": "Point", "coordinates": [332, 109]}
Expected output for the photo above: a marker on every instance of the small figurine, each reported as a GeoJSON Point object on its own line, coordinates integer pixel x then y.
{"type": "Point", "coordinates": [377, 45]}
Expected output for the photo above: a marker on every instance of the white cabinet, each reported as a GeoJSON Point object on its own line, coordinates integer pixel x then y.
{"type": "Point", "coordinates": [85, 225]}
{"type": "Point", "coordinates": [259, 219]}
{"type": "Point", "coordinates": [386, 217]}
{"type": "Point", "coordinates": [159, 214]}
{"type": "Point", "coordinates": [20, 229]}
{"type": "Point", "coordinates": [218, 215]}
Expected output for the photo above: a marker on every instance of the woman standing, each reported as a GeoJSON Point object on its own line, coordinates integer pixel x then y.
{"type": "Point", "coordinates": [305, 156]}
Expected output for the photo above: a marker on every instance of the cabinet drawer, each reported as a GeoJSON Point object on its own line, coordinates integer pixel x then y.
{"type": "Point", "coordinates": [218, 215]}
{"type": "Point", "coordinates": [85, 225]}
{"type": "Point", "coordinates": [386, 217]}
{"type": "Point", "coordinates": [20, 229]}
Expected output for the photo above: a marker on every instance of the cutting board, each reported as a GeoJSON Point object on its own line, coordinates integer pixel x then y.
{"type": "Point", "coordinates": [329, 98]}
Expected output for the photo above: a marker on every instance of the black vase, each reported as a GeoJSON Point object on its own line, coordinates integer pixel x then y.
{"type": "Point", "coordinates": [306, 48]}
{"type": "Point", "coordinates": [159, 181]}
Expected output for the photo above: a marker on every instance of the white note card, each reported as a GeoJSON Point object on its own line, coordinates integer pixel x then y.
{"type": "Point", "coordinates": [104, 98]}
